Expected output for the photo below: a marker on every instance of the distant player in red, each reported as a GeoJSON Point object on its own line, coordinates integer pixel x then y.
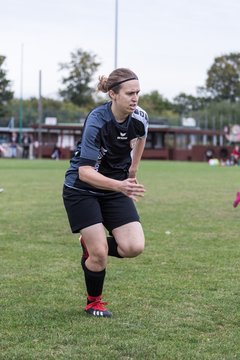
{"type": "Point", "coordinates": [236, 200]}
{"type": "Point", "coordinates": [100, 185]}
{"type": "Point", "coordinates": [235, 155]}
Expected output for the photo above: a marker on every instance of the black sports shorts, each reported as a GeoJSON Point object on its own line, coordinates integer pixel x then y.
{"type": "Point", "coordinates": [84, 209]}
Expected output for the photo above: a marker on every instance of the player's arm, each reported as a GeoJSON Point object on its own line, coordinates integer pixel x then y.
{"type": "Point", "coordinates": [128, 187]}
{"type": "Point", "coordinates": [136, 156]}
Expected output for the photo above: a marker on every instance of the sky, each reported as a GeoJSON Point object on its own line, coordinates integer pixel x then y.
{"type": "Point", "coordinates": [169, 44]}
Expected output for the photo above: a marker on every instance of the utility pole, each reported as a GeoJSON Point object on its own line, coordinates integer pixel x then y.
{"type": "Point", "coordinates": [21, 98]}
{"type": "Point", "coordinates": [116, 34]}
{"type": "Point", "coordinates": [40, 113]}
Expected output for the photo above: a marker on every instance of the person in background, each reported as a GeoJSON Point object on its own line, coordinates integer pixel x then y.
{"type": "Point", "coordinates": [26, 141]}
{"type": "Point", "coordinates": [236, 200]}
{"type": "Point", "coordinates": [56, 154]}
{"type": "Point", "coordinates": [101, 186]}
{"type": "Point", "coordinates": [235, 158]}
{"type": "Point", "coordinates": [235, 155]}
{"type": "Point", "coordinates": [13, 145]}
{"type": "Point", "coordinates": [2, 151]}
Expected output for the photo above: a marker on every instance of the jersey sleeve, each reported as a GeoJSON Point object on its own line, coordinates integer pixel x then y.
{"type": "Point", "coordinates": [90, 145]}
{"type": "Point", "coordinates": [142, 116]}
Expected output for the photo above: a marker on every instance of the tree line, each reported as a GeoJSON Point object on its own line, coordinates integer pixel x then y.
{"type": "Point", "coordinates": [216, 103]}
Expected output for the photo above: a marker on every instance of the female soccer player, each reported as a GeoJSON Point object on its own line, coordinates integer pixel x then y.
{"type": "Point", "coordinates": [236, 200]}
{"type": "Point", "coordinates": [100, 185]}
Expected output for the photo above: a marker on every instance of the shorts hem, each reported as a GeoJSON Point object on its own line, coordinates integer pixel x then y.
{"type": "Point", "coordinates": [78, 229]}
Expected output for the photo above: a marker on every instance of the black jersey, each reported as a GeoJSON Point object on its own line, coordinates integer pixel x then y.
{"type": "Point", "coordinates": [106, 145]}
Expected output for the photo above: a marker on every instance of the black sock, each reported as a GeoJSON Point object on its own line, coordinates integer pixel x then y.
{"type": "Point", "coordinates": [83, 262]}
{"type": "Point", "coordinates": [112, 247]}
{"type": "Point", "coordinates": [94, 281]}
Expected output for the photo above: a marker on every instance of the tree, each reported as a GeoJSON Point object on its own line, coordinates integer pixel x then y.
{"type": "Point", "coordinates": [64, 111]}
{"type": "Point", "coordinates": [223, 81]}
{"type": "Point", "coordinates": [187, 103]}
{"type": "Point", "coordinates": [81, 69]}
{"type": "Point", "coordinates": [5, 93]}
{"type": "Point", "coordinates": [154, 103]}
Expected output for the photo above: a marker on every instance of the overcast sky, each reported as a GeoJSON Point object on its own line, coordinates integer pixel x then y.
{"type": "Point", "coordinates": [170, 44]}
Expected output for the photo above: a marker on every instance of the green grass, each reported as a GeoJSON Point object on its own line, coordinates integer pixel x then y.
{"type": "Point", "coordinates": [179, 300]}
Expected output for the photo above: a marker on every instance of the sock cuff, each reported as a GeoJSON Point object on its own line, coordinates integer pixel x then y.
{"type": "Point", "coordinates": [93, 273]}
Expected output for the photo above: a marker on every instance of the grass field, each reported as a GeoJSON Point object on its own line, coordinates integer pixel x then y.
{"type": "Point", "coordinates": [179, 300]}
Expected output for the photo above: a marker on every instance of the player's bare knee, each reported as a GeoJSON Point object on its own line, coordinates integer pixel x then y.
{"type": "Point", "coordinates": [133, 250]}
{"type": "Point", "coordinates": [137, 250]}
{"type": "Point", "coordinates": [99, 257]}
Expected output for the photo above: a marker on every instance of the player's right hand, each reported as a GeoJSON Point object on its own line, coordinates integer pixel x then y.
{"type": "Point", "coordinates": [132, 189]}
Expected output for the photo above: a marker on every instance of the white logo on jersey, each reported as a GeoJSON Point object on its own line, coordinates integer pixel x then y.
{"type": "Point", "coordinates": [122, 136]}
{"type": "Point", "coordinates": [102, 153]}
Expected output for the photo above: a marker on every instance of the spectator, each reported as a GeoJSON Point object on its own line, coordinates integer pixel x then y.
{"type": "Point", "coordinates": [13, 145]}
{"type": "Point", "coordinates": [26, 141]}
{"type": "Point", "coordinates": [235, 155]}
{"type": "Point", "coordinates": [2, 151]}
{"type": "Point", "coordinates": [56, 154]}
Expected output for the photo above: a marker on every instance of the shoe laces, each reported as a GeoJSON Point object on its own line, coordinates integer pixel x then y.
{"type": "Point", "coordinates": [97, 305]}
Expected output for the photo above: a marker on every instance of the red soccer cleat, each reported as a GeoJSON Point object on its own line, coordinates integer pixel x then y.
{"type": "Point", "coordinates": [96, 308]}
{"type": "Point", "coordinates": [237, 200]}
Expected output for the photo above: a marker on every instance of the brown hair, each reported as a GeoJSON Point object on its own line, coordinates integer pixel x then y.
{"type": "Point", "coordinates": [115, 79]}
